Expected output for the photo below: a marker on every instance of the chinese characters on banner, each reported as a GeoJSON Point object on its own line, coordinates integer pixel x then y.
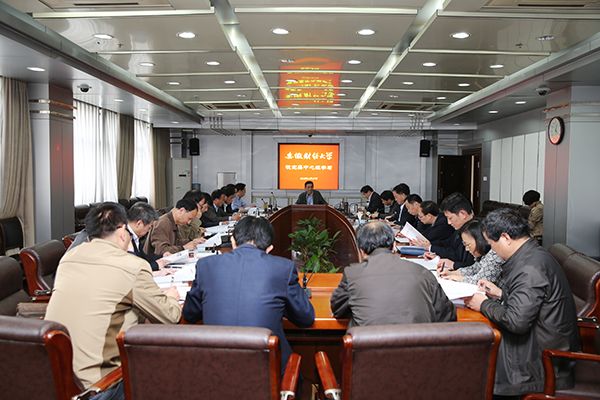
{"type": "Point", "coordinates": [299, 163]}
{"type": "Point", "coordinates": [308, 86]}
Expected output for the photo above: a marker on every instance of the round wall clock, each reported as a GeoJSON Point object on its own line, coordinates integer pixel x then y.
{"type": "Point", "coordinates": [556, 130]}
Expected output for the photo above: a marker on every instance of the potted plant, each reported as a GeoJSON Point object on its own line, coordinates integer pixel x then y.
{"type": "Point", "coordinates": [313, 246]}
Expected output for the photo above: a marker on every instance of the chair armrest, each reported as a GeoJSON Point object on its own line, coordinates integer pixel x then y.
{"type": "Point", "coordinates": [548, 354]}
{"type": "Point", "coordinates": [329, 383]}
{"type": "Point", "coordinates": [41, 299]}
{"type": "Point", "coordinates": [106, 382]}
{"type": "Point", "coordinates": [588, 329]}
{"type": "Point", "coordinates": [289, 381]}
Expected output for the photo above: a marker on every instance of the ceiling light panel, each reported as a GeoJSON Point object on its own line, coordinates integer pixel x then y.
{"type": "Point", "coordinates": [318, 29]}
{"type": "Point", "coordinates": [137, 33]}
{"type": "Point", "coordinates": [270, 60]}
{"type": "Point", "coordinates": [474, 64]}
{"type": "Point", "coordinates": [385, 96]}
{"type": "Point", "coordinates": [206, 82]}
{"type": "Point", "coordinates": [178, 62]}
{"type": "Point", "coordinates": [506, 34]}
{"type": "Point", "coordinates": [219, 96]}
{"type": "Point", "coordinates": [434, 83]}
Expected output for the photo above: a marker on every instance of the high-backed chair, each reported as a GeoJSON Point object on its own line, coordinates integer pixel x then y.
{"type": "Point", "coordinates": [586, 373]}
{"type": "Point", "coordinates": [40, 263]}
{"type": "Point", "coordinates": [68, 239]}
{"type": "Point", "coordinates": [37, 362]}
{"type": "Point", "coordinates": [125, 203]}
{"type": "Point", "coordinates": [561, 252]}
{"type": "Point", "coordinates": [204, 362]}
{"type": "Point", "coordinates": [414, 361]}
{"type": "Point", "coordinates": [11, 235]}
{"type": "Point", "coordinates": [11, 286]}
{"type": "Point", "coordinates": [80, 213]}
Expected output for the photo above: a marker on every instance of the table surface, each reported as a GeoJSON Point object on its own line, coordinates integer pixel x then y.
{"type": "Point", "coordinates": [322, 285]}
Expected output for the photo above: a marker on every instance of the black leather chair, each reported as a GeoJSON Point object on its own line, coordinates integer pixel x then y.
{"type": "Point", "coordinates": [80, 213]}
{"type": "Point", "coordinates": [414, 361]}
{"type": "Point", "coordinates": [11, 286]}
{"type": "Point", "coordinates": [40, 263]}
{"type": "Point", "coordinates": [11, 235]}
{"type": "Point", "coordinates": [125, 203]}
{"type": "Point", "coordinates": [204, 362]}
{"type": "Point", "coordinates": [37, 362]}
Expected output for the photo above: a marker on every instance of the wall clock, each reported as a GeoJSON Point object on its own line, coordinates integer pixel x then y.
{"type": "Point", "coordinates": [556, 130]}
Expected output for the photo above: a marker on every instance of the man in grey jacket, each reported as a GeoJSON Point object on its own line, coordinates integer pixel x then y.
{"type": "Point", "coordinates": [534, 310]}
{"type": "Point", "coordinates": [384, 289]}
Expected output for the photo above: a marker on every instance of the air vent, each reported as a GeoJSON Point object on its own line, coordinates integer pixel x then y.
{"type": "Point", "coordinates": [104, 4]}
{"type": "Point", "coordinates": [404, 106]}
{"type": "Point", "coordinates": [546, 4]}
{"type": "Point", "coordinates": [230, 106]}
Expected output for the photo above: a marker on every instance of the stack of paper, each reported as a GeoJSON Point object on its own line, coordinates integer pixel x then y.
{"type": "Point", "coordinates": [183, 255]}
{"type": "Point", "coordinates": [457, 290]}
{"type": "Point", "coordinates": [429, 264]}
{"type": "Point", "coordinates": [402, 240]}
{"type": "Point", "coordinates": [211, 242]}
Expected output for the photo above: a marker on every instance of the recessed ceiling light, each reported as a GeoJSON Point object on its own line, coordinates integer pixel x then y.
{"type": "Point", "coordinates": [346, 81]}
{"type": "Point", "coordinates": [256, 113]}
{"type": "Point", "coordinates": [354, 62]}
{"type": "Point", "coordinates": [143, 110]}
{"type": "Point", "coordinates": [521, 102]}
{"type": "Point", "coordinates": [493, 112]}
{"type": "Point", "coordinates": [241, 95]}
{"type": "Point", "coordinates": [497, 66]}
{"type": "Point", "coordinates": [291, 81]}
{"type": "Point", "coordinates": [337, 105]}
{"type": "Point", "coordinates": [334, 112]}
{"type": "Point", "coordinates": [280, 31]}
{"type": "Point", "coordinates": [394, 96]}
{"type": "Point", "coordinates": [408, 83]}
{"type": "Point", "coordinates": [456, 124]}
{"type": "Point", "coordinates": [186, 35]}
{"type": "Point", "coordinates": [441, 98]}
{"type": "Point", "coordinates": [118, 100]}
{"type": "Point", "coordinates": [374, 113]}
{"type": "Point", "coordinates": [287, 60]}
{"type": "Point", "coordinates": [36, 69]}
{"type": "Point", "coordinates": [545, 38]}
{"type": "Point", "coordinates": [464, 84]}
{"type": "Point", "coordinates": [174, 122]}
{"type": "Point", "coordinates": [295, 104]}
{"type": "Point", "coordinates": [429, 64]}
{"type": "Point", "coordinates": [229, 82]}
{"type": "Point", "coordinates": [213, 63]}
{"type": "Point", "coordinates": [296, 112]}
{"type": "Point", "coordinates": [174, 83]}
{"type": "Point", "coordinates": [366, 32]}
{"type": "Point", "coordinates": [103, 36]}
{"type": "Point", "coordinates": [219, 113]}
{"type": "Point", "coordinates": [147, 64]}
{"type": "Point", "coordinates": [411, 115]}
{"type": "Point", "coordinates": [341, 94]}
{"type": "Point", "coordinates": [460, 35]}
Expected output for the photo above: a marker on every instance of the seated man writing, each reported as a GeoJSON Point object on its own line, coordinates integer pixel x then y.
{"type": "Point", "coordinates": [100, 290]}
{"type": "Point", "coordinates": [385, 289]}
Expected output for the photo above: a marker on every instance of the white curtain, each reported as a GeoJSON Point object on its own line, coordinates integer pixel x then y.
{"type": "Point", "coordinates": [95, 135]}
{"type": "Point", "coordinates": [143, 165]}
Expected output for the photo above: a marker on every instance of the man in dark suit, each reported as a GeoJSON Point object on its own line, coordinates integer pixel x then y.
{"type": "Point", "coordinates": [385, 289]}
{"type": "Point", "coordinates": [374, 201]}
{"type": "Point", "coordinates": [215, 213]}
{"type": "Point", "coordinates": [437, 229]}
{"type": "Point", "coordinates": [249, 287]}
{"type": "Point", "coordinates": [401, 193]}
{"type": "Point", "coordinates": [390, 207]}
{"type": "Point", "coordinates": [310, 195]}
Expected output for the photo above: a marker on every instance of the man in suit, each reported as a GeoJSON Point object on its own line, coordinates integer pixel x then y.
{"type": "Point", "coordinates": [163, 236]}
{"type": "Point", "coordinates": [401, 193]}
{"type": "Point", "coordinates": [458, 210]}
{"type": "Point", "coordinates": [374, 203]}
{"type": "Point", "coordinates": [249, 287]}
{"type": "Point", "coordinates": [385, 289]}
{"type": "Point", "coordinates": [310, 195]}
{"type": "Point", "coordinates": [229, 192]}
{"type": "Point", "coordinates": [194, 229]}
{"type": "Point", "coordinates": [215, 213]}
{"type": "Point", "coordinates": [101, 290]}
{"type": "Point", "coordinates": [437, 229]}
{"type": "Point", "coordinates": [390, 207]}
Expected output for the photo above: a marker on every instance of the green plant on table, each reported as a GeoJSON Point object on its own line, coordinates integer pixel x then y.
{"type": "Point", "coordinates": [314, 246]}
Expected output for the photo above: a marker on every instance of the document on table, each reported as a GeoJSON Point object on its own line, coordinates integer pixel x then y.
{"type": "Point", "coordinates": [429, 264]}
{"type": "Point", "coordinates": [211, 242]}
{"type": "Point", "coordinates": [457, 290]}
{"type": "Point", "coordinates": [222, 229]}
{"type": "Point", "coordinates": [180, 256]}
{"type": "Point", "coordinates": [402, 240]}
{"type": "Point", "coordinates": [411, 232]}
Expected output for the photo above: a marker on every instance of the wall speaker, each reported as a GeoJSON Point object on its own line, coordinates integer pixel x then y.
{"type": "Point", "coordinates": [425, 148]}
{"type": "Point", "coordinates": [194, 145]}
